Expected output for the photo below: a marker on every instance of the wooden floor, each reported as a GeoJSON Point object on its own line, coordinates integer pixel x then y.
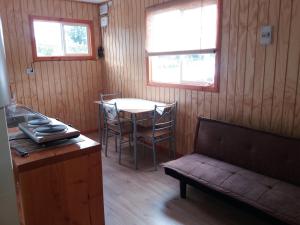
{"type": "Point", "coordinates": [147, 197]}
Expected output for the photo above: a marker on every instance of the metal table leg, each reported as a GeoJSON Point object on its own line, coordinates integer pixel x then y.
{"type": "Point", "coordinates": [134, 140]}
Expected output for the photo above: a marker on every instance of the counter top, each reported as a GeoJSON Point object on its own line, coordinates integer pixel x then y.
{"type": "Point", "coordinates": [48, 156]}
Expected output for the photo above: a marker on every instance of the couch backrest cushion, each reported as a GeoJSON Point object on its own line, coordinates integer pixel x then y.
{"type": "Point", "coordinates": [262, 152]}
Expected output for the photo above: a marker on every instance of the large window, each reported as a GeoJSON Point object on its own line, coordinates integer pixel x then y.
{"type": "Point", "coordinates": [183, 44]}
{"type": "Point", "coordinates": [61, 39]}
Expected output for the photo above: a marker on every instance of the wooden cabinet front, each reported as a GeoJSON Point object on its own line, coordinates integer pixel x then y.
{"type": "Point", "coordinates": [63, 192]}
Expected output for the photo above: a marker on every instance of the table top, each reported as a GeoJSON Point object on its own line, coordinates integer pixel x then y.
{"type": "Point", "coordinates": [134, 105]}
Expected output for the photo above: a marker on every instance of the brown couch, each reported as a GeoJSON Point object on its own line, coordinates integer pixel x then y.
{"type": "Point", "coordinates": [255, 167]}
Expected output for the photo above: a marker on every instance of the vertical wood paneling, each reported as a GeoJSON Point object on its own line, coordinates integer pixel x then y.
{"type": "Point", "coordinates": [241, 61]}
{"type": "Point", "coordinates": [296, 124]}
{"type": "Point", "coordinates": [64, 90]}
{"type": "Point", "coordinates": [232, 59]}
{"type": "Point", "coordinates": [194, 111]}
{"type": "Point", "coordinates": [259, 86]}
{"type": "Point", "coordinates": [224, 60]}
{"type": "Point", "coordinates": [250, 59]}
{"type": "Point", "coordinates": [292, 72]}
{"type": "Point", "coordinates": [259, 66]}
{"type": "Point", "coordinates": [268, 91]}
{"type": "Point", "coordinates": [281, 63]}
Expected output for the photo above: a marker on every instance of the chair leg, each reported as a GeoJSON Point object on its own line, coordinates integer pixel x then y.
{"type": "Point", "coordinates": [154, 155]}
{"type": "Point", "coordinates": [120, 148]}
{"type": "Point", "coordinates": [106, 137]}
{"type": "Point", "coordinates": [116, 143]}
{"type": "Point", "coordinates": [130, 145]}
{"type": "Point", "coordinates": [144, 150]}
{"type": "Point", "coordinates": [102, 137]}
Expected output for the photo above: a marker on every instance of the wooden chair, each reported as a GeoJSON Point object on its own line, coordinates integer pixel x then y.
{"type": "Point", "coordinates": [116, 126]}
{"type": "Point", "coordinates": [162, 129]}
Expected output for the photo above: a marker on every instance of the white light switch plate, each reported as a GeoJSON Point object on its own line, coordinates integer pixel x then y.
{"type": "Point", "coordinates": [30, 71]}
{"type": "Point", "coordinates": [266, 35]}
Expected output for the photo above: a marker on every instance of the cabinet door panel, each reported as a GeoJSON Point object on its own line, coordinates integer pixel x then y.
{"type": "Point", "coordinates": [63, 193]}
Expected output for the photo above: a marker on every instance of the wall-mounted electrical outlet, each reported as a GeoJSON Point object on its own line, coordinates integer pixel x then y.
{"type": "Point", "coordinates": [30, 71]}
{"type": "Point", "coordinates": [266, 35]}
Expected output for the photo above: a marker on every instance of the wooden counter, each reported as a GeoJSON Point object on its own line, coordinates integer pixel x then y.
{"type": "Point", "coordinates": [61, 186]}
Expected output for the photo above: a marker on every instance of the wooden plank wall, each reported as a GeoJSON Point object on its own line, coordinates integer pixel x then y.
{"type": "Point", "coordinates": [60, 89]}
{"type": "Point", "coordinates": [259, 86]}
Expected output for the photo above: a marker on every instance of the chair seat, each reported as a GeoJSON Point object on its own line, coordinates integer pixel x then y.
{"type": "Point", "coordinates": [125, 124]}
{"type": "Point", "coordinates": [146, 132]}
{"type": "Point", "coordinates": [145, 123]}
{"type": "Point", "coordinates": [122, 120]}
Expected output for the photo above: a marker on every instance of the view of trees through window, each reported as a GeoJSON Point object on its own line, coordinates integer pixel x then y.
{"type": "Point", "coordinates": [76, 39]}
{"type": "Point", "coordinates": [184, 69]}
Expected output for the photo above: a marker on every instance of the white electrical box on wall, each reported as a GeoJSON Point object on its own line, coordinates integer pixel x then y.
{"type": "Point", "coordinates": [103, 9]}
{"type": "Point", "coordinates": [104, 21]}
{"type": "Point", "coordinates": [266, 35]}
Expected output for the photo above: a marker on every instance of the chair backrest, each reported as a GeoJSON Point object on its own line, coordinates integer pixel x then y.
{"type": "Point", "coordinates": [111, 114]}
{"type": "Point", "coordinates": [164, 118]}
{"type": "Point", "coordinates": [105, 97]}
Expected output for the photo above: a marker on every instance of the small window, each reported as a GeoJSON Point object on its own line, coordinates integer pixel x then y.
{"type": "Point", "coordinates": [183, 44]}
{"type": "Point", "coordinates": [61, 39]}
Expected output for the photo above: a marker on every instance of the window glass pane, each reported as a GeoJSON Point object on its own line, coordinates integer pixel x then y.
{"type": "Point", "coordinates": [183, 27]}
{"type": "Point", "coordinates": [165, 69]}
{"type": "Point", "coordinates": [76, 39]}
{"type": "Point", "coordinates": [196, 69]}
{"type": "Point", "coordinates": [48, 45]}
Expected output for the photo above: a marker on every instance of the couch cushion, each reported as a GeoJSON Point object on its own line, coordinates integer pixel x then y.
{"type": "Point", "coordinates": [273, 196]}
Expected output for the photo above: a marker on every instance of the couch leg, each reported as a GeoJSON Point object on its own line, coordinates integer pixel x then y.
{"type": "Point", "coordinates": [182, 189]}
